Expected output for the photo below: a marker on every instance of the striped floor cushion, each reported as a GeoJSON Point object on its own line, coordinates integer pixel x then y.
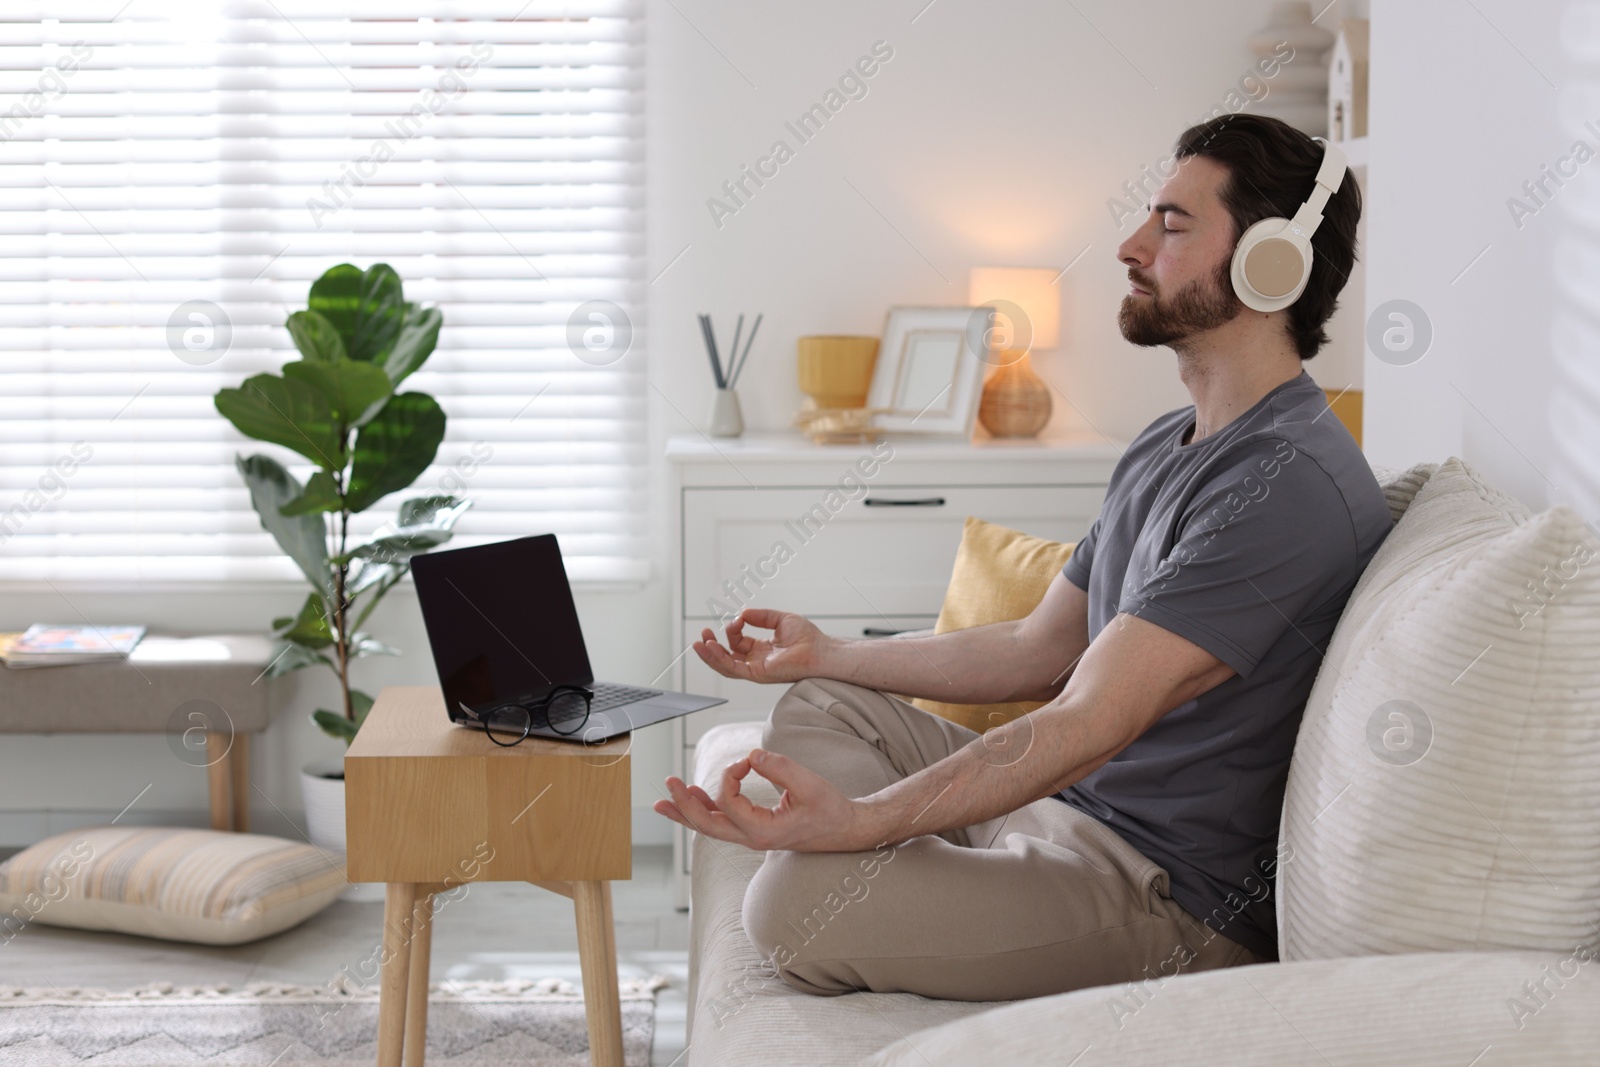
{"type": "Point", "coordinates": [182, 885]}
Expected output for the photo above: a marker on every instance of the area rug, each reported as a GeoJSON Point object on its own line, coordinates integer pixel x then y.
{"type": "Point", "coordinates": [470, 1024]}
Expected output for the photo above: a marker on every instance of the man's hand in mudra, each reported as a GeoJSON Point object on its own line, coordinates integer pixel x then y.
{"type": "Point", "coordinates": [795, 650]}
{"type": "Point", "coordinates": [811, 816]}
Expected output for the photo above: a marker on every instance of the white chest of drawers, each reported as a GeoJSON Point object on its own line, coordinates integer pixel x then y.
{"type": "Point", "coordinates": [858, 538]}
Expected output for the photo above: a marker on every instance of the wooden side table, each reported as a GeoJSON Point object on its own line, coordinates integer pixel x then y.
{"type": "Point", "coordinates": [430, 805]}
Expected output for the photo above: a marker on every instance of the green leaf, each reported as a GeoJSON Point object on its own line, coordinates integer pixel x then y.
{"type": "Point", "coordinates": [303, 538]}
{"type": "Point", "coordinates": [316, 337]}
{"type": "Point", "coordinates": [309, 629]}
{"type": "Point", "coordinates": [425, 523]}
{"type": "Point", "coordinates": [355, 391]}
{"type": "Point", "coordinates": [380, 578]}
{"type": "Point", "coordinates": [335, 725]}
{"type": "Point", "coordinates": [285, 412]}
{"type": "Point", "coordinates": [418, 336]}
{"type": "Point", "coordinates": [395, 447]}
{"type": "Point", "coordinates": [293, 657]}
{"type": "Point", "coordinates": [362, 645]}
{"type": "Point", "coordinates": [367, 308]}
{"type": "Point", "coordinates": [439, 510]}
{"type": "Point", "coordinates": [400, 545]}
{"type": "Point", "coordinates": [382, 562]}
{"type": "Point", "coordinates": [321, 494]}
{"type": "Point", "coordinates": [373, 578]}
{"type": "Point", "coordinates": [366, 573]}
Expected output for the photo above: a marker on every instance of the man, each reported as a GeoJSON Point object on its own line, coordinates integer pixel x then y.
{"type": "Point", "coordinates": [1128, 829]}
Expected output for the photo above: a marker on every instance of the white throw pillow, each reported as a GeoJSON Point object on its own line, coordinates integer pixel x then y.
{"type": "Point", "coordinates": [183, 885]}
{"type": "Point", "coordinates": [1401, 487]}
{"type": "Point", "coordinates": [1445, 787]}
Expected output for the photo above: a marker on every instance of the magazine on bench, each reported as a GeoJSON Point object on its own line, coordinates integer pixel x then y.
{"type": "Point", "coordinates": [50, 645]}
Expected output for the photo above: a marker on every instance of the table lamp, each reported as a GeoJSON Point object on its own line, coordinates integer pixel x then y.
{"type": "Point", "coordinates": [1016, 401]}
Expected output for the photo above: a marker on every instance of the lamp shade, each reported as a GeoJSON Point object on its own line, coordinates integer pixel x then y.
{"type": "Point", "coordinates": [1030, 288]}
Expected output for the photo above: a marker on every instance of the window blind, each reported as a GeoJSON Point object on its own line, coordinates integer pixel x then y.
{"type": "Point", "coordinates": [156, 153]}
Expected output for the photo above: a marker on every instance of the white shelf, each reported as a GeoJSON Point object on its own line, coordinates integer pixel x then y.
{"type": "Point", "coordinates": [792, 447]}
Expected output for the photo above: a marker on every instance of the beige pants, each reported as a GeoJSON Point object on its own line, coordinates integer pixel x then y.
{"type": "Point", "coordinates": [1040, 901]}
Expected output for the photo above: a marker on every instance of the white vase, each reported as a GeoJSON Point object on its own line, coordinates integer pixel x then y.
{"type": "Point", "coordinates": [1298, 93]}
{"type": "Point", "coordinates": [726, 419]}
{"type": "Point", "coordinates": [1291, 21]}
{"type": "Point", "coordinates": [322, 789]}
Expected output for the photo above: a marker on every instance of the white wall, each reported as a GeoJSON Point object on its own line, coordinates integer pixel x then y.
{"type": "Point", "coordinates": [1465, 109]}
{"type": "Point", "coordinates": [994, 136]}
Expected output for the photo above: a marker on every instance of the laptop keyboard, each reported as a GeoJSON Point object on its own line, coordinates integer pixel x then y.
{"type": "Point", "coordinates": [608, 695]}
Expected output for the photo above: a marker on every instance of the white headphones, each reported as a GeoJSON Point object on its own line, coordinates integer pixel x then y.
{"type": "Point", "coordinates": [1272, 262]}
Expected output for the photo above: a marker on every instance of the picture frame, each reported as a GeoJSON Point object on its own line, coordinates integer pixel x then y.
{"type": "Point", "coordinates": [929, 375]}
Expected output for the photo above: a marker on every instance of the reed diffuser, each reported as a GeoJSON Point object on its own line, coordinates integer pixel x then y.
{"type": "Point", "coordinates": [726, 419]}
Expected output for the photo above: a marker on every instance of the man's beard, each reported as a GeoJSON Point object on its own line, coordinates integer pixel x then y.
{"type": "Point", "coordinates": [1197, 307]}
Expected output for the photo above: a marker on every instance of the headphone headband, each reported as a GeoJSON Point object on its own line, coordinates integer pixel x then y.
{"type": "Point", "coordinates": [1330, 175]}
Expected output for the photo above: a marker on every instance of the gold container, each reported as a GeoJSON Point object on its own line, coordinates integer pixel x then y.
{"type": "Point", "coordinates": [836, 371]}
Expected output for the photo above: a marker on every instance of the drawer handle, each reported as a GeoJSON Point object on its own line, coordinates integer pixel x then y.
{"type": "Point", "coordinates": [924, 502]}
{"type": "Point", "coordinates": [880, 631]}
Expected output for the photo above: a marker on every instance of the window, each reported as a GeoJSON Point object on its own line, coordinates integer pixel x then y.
{"type": "Point", "coordinates": [157, 153]}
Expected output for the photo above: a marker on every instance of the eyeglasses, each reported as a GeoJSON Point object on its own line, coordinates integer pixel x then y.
{"type": "Point", "coordinates": [563, 710]}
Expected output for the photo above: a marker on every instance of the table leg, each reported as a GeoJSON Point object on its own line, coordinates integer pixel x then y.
{"type": "Point", "coordinates": [417, 987]}
{"type": "Point", "coordinates": [218, 759]}
{"type": "Point", "coordinates": [239, 782]}
{"type": "Point", "coordinates": [597, 951]}
{"type": "Point", "coordinates": [399, 902]}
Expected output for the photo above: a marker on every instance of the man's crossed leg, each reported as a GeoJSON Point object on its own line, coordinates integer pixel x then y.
{"type": "Point", "coordinates": [1039, 901]}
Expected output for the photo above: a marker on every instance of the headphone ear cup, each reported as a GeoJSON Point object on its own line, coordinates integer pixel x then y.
{"type": "Point", "coordinates": [1271, 266]}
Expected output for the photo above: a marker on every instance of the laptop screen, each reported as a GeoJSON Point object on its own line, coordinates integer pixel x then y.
{"type": "Point", "coordinates": [501, 621]}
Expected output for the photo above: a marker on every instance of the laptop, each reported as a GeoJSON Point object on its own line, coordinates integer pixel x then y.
{"type": "Point", "coordinates": [504, 630]}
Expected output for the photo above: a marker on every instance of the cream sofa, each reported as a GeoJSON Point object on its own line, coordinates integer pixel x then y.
{"type": "Point", "coordinates": [1441, 902]}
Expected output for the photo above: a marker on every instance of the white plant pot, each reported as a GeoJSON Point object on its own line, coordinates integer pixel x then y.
{"type": "Point", "coordinates": [322, 788]}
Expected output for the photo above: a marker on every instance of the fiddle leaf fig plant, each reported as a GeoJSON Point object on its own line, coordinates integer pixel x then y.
{"type": "Point", "coordinates": [339, 407]}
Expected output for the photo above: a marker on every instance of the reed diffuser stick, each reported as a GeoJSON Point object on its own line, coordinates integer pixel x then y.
{"type": "Point", "coordinates": [711, 350]}
{"type": "Point", "coordinates": [733, 353]}
{"type": "Point", "coordinates": [739, 366]}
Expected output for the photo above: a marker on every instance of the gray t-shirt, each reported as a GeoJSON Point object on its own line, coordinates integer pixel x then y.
{"type": "Point", "coordinates": [1246, 543]}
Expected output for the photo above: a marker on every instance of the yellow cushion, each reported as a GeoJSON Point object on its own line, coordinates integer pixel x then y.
{"type": "Point", "coordinates": [1000, 574]}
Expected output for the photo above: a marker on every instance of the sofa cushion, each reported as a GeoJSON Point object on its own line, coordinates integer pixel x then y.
{"type": "Point", "coordinates": [1445, 787]}
{"type": "Point", "coordinates": [182, 885]}
{"type": "Point", "coordinates": [1410, 1011]}
{"type": "Point", "coordinates": [740, 1012]}
{"type": "Point", "coordinates": [999, 574]}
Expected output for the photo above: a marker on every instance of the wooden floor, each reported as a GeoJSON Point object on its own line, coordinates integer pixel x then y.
{"type": "Point", "coordinates": [498, 930]}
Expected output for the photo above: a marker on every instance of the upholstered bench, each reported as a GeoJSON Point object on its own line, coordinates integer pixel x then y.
{"type": "Point", "coordinates": [207, 691]}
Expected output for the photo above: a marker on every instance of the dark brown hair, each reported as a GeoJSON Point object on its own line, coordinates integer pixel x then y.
{"type": "Point", "coordinates": [1272, 168]}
